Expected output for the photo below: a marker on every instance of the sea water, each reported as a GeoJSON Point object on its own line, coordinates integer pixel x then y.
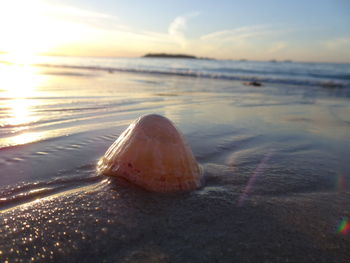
{"type": "Point", "coordinates": [275, 160]}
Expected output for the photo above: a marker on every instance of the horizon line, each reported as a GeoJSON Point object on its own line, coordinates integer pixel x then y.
{"type": "Point", "coordinates": [272, 60]}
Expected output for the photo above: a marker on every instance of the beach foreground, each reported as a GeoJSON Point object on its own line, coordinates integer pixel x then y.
{"type": "Point", "coordinates": [275, 162]}
{"type": "Point", "coordinates": [114, 222]}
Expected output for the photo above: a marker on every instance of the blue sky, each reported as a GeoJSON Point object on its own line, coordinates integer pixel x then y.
{"type": "Point", "coordinates": [298, 30]}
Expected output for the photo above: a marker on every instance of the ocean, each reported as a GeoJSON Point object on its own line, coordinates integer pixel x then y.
{"type": "Point", "coordinates": [275, 157]}
{"type": "Point", "coordinates": [279, 72]}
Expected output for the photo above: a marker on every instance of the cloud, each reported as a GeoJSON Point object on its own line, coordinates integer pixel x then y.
{"type": "Point", "coordinates": [97, 20]}
{"type": "Point", "coordinates": [238, 34]}
{"type": "Point", "coordinates": [277, 47]}
{"type": "Point", "coordinates": [178, 27]}
{"type": "Point", "coordinates": [337, 43]}
{"type": "Point", "coordinates": [173, 39]}
{"type": "Point", "coordinates": [71, 11]}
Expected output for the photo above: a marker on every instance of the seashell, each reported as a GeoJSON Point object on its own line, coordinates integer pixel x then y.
{"type": "Point", "coordinates": [152, 154]}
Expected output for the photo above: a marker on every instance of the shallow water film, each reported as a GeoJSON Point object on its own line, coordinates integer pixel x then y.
{"type": "Point", "coordinates": [275, 159]}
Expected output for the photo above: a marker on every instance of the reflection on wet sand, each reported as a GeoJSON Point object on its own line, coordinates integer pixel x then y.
{"type": "Point", "coordinates": [25, 138]}
{"type": "Point", "coordinates": [19, 112]}
{"type": "Point", "coordinates": [19, 81]}
{"type": "Point", "coordinates": [289, 208]}
{"type": "Point", "coordinates": [19, 84]}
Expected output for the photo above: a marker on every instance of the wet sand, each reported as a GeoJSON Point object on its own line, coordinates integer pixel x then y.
{"type": "Point", "coordinates": [275, 161]}
{"type": "Point", "coordinates": [116, 222]}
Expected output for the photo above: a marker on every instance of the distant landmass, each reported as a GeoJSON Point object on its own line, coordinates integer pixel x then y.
{"type": "Point", "coordinates": [166, 55]}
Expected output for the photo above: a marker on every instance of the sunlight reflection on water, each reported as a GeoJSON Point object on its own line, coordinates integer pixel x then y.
{"type": "Point", "coordinates": [19, 87]}
{"type": "Point", "coordinates": [20, 112]}
{"type": "Point", "coordinates": [19, 81]}
{"type": "Point", "coordinates": [25, 138]}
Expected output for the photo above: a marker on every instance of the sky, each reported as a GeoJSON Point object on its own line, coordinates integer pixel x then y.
{"type": "Point", "coordinates": [297, 30]}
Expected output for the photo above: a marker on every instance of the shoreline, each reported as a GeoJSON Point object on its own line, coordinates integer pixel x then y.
{"type": "Point", "coordinates": [177, 227]}
{"type": "Point", "coordinates": [274, 159]}
{"type": "Point", "coordinates": [329, 84]}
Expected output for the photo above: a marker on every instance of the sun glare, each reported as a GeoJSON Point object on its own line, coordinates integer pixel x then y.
{"type": "Point", "coordinates": [19, 81]}
{"type": "Point", "coordinates": [19, 85]}
{"type": "Point", "coordinates": [33, 27]}
{"type": "Point", "coordinates": [26, 138]}
{"type": "Point", "coordinates": [20, 22]}
{"type": "Point", "coordinates": [20, 112]}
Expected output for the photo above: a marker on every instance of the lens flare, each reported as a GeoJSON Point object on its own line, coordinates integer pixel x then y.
{"type": "Point", "coordinates": [258, 171]}
{"type": "Point", "coordinates": [344, 226]}
{"type": "Point", "coordinates": [341, 183]}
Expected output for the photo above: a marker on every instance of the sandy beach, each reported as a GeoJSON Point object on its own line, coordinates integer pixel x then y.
{"type": "Point", "coordinates": [275, 161]}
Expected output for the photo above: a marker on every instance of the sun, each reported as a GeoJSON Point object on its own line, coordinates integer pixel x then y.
{"type": "Point", "coordinates": [33, 27]}
{"type": "Point", "coordinates": [20, 23]}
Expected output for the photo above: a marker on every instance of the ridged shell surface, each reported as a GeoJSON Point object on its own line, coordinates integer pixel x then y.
{"type": "Point", "coordinates": [153, 154]}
